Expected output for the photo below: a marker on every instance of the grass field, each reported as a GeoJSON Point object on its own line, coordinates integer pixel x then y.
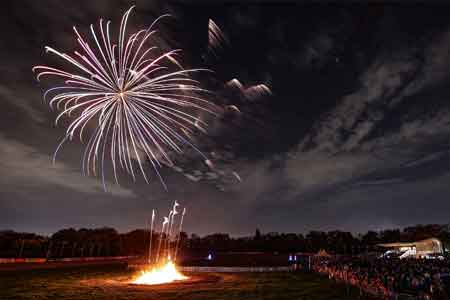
{"type": "Point", "coordinates": [110, 283]}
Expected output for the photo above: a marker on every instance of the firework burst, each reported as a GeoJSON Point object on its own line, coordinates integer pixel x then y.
{"type": "Point", "coordinates": [143, 103]}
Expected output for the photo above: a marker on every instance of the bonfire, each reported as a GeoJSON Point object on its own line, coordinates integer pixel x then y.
{"type": "Point", "coordinates": [158, 275]}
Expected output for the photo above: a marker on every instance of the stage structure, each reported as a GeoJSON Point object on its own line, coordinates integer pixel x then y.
{"type": "Point", "coordinates": [419, 249]}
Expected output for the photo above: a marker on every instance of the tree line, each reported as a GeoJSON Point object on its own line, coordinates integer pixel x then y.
{"type": "Point", "coordinates": [108, 242]}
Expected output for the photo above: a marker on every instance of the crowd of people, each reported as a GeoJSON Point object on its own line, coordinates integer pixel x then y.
{"type": "Point", "coordinates": [390, 278]}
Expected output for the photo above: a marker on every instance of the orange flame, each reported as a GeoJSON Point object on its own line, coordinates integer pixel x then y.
{"type": "Point", "coordinates": [165, 274]}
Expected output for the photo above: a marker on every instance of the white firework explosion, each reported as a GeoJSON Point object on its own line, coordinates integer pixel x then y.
{"type": "Point", "coordinates": [143, 103]}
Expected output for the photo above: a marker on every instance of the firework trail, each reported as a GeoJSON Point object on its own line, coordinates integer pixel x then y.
{"type": "Point", "coordinates": [143, 103]}
{"type": "Point", "coordinates": [162, 232]}
{"type": "Point", "coordinates": [171, 222]}
{"type": "Point", "coordinates": [151, 236]}
{"type": "Point", "coordinates": [179, 234]}
{"type": "Point", "coordinates": [167, 237]}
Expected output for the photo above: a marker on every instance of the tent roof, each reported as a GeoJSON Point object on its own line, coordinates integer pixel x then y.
{"type": "Point", "coordinates": [323, 253]}
{"type": "Point", "coordinates": [410, 244]}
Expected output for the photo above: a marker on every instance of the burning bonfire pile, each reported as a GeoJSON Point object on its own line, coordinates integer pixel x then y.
{"type": "Point", "coordinates": [165, 274]}
{"type": "Point", "coordinates": [163, 267]}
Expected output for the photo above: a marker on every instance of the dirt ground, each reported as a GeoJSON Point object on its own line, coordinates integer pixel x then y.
{"type": "Point", "coordinates": [112, 282]}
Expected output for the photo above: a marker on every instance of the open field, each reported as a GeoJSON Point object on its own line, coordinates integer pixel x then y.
{"type": "Point", "coordinates": [110, 283]}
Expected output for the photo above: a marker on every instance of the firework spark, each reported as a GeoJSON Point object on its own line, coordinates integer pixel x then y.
{"type": "Point", "coordinates": [143, 103]}
{"type": "Point", "coordinates": [216, 38]}
{"type": "Point", "coordinates": [257, 91]}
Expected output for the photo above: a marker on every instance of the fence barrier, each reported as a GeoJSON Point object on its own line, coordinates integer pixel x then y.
{"type": "Point", "coordinates": [375, 292]}
{"type": "Point", "coordinates": [236, 269]}
{"type": "Point", "coordinates": [67, 259]}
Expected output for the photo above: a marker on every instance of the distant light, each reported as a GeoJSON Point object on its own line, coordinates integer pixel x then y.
{"type": "Point", "coordinates": [290, 258]}
{"type": "Point", "coordinates": [209, 256]}
{"type": "Point", "coordinates": [295, 257]}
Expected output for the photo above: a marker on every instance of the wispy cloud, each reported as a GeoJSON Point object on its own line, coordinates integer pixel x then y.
{"type": "Point", "coordinates": [387, 83]}
{"type": "Point", "coordinates": [22, 165]}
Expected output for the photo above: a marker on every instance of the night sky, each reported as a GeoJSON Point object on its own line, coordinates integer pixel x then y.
{"type": "Point", "coordinates": [355, 136]}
